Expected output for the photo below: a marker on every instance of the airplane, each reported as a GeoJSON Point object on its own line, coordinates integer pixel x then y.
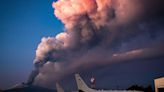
{"type": "Point", "coordinates": [82, 87]}
{"type": "Point", "coordinates": [59, 88]}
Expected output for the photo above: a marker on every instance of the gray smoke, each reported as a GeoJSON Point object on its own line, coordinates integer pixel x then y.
{"type": "Point", "coordinates": [99, 33]}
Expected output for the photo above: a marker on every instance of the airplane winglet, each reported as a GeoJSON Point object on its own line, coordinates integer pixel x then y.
{"type": "Point", "coordinates": [59, 88]}
{"type": "Point", "coordinates": [81, 84]}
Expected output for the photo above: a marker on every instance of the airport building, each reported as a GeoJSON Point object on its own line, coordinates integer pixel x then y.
{"type": "Point", "coordinates": [159, 84]}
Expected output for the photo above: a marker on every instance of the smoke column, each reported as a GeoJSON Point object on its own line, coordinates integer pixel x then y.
{"type": "Point", "coordinates": [97, 33]}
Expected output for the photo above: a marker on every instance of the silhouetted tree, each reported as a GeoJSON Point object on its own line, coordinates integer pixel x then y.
{"type": "Point", "coordinates": [141, 88]}
{"type": "Point", "coordinates": [136, 87]}
{"type": "Point", "coordinates": [148, 89]}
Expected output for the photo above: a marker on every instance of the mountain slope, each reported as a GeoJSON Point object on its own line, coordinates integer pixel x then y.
{"type": "Point", "coordinates": [29, 88]}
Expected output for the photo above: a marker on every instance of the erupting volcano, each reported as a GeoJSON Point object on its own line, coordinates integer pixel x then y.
{"type": "Point", "coordinates": [97, 34]}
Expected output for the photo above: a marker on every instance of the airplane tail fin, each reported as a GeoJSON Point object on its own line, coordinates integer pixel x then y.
{"type": "Point", "coordinates": [82, 87]}
{"type": "Point", "coordinates": [59, 88]}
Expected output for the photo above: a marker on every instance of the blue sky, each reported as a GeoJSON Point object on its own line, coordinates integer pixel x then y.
{"type": "Point", "coordinates": [23, 24]}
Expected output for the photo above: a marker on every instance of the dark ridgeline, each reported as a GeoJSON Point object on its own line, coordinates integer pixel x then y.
{"type": "Point", "coordinates": [30, 88]}
{"type": "Point", "coordinates": [141, 88]}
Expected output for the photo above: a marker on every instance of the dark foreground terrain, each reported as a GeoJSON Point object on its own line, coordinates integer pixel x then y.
{"type": "Point", "coordinates": [29, 88]}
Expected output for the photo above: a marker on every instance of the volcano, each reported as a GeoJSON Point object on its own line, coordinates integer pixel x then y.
{"type": "Point", "coordinates": [28, 88]}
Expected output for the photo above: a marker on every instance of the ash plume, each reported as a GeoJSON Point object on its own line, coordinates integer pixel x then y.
{"type": "Point", "coordinates": [99, 33]}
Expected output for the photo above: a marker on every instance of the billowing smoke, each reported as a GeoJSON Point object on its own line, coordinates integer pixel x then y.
{"type": "Point", "coordinates": [99, 33]}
